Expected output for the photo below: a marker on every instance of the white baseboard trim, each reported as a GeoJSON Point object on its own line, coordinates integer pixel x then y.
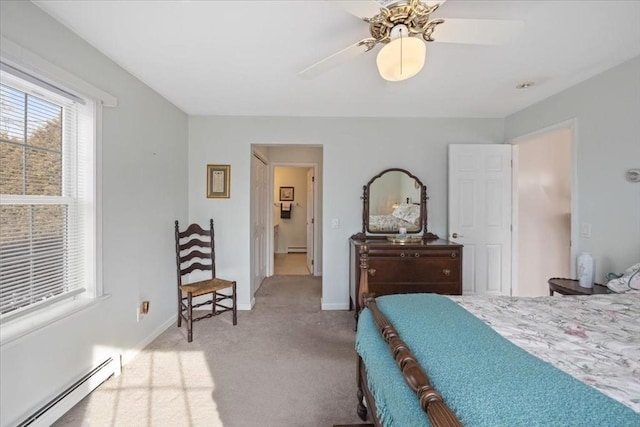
{"type": "Point", "coordinates": [247, 307]}
{"type": "Point", "coordinates": [334, 306]}
{"type": "Point", "coordinates": [296, 249]}
{"type": "Point", "coordinates": [129, 354]}
{"type": "Point", "coordinates": [51, 411]}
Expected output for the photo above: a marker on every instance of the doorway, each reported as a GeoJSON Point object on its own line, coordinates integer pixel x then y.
{"type": "Point", "coordinates": [294, 219]}
{"type": "Point", "coordinates": [304, 204]}
{"type": "Point", "coordinates": [543, 201]}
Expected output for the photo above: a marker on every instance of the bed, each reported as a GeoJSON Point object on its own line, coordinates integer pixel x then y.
{"type": "Point", "coordinates": [427, 359]}
{"type": "Point", "coordinates": [404, 216]}
{"type": "Point", "coordinates": [389, 224]}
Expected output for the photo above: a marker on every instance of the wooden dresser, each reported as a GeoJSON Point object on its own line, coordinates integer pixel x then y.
{"type": "Point", "coordinates": [433, 266]}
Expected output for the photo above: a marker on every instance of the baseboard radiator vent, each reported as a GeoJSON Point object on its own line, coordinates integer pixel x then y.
{"type": "Point", "coordinates": [296, 249]}
{"type": "Point", "coordinates": [58, 406]}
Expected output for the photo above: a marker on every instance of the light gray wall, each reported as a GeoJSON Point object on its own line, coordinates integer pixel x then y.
{"type": "Point", "coordinates": [607, 110]}
{"type": "Point", "coordinates": [354, 150]}
{"type": "Point", "coordinates": [144, 190]}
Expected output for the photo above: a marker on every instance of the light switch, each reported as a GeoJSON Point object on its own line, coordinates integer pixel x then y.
{"type": "Point", "coordinates": [585, 230]}
{"type": "Point", "coordinates": [335, 223]}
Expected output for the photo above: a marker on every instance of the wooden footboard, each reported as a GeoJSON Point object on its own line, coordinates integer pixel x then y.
{"type": "Point", "coordinates": [430, 400]}
{"type": "Point", "coordinates": [365, 393]}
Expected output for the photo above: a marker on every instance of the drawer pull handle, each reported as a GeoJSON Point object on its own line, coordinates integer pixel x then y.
{"type": "Point", "coordinates": [402, 254]}
{"type": "Point", "coordinates": [446, 272]}
{"type": "Point", "coordinates": [453, 255]}
{"type": "Point", "coordinates": [417, 255]}
{"type": "Point", "coordinates": [372, 272]}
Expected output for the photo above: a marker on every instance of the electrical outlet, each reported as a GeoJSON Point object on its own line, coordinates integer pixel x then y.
{"type": "Point", "coordinates": [585, 230]}
{"type": "Point", "coordinates": [335, 223]}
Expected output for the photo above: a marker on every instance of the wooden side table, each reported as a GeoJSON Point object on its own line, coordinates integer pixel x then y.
{"type": "Point", "coordinates": [571, 287]}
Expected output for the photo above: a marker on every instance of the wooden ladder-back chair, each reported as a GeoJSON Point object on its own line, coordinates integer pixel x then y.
{"type": "Point", "coordinates": [195, 250]}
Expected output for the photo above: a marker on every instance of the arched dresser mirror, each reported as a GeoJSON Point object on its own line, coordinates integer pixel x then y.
{"type": "Point", "coordinates": [395, 200]}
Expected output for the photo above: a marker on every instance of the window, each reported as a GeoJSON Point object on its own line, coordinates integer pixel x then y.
{"type": "Point", "coordinates": [47, 195]}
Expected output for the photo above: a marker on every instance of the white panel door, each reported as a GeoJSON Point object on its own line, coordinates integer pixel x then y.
{"type": "Point", "coordinates": [260, 191]}
{"type": "Point", "coordinates": [480, 215]}
{"type": "Point", "coordinates": [310, 219]}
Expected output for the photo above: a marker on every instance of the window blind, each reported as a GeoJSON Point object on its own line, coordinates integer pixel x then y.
{"type": "Point", "coordinates": [46, 148]}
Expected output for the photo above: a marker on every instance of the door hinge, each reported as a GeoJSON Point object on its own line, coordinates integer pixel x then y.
{"type": "Point", "coordinates": [312, 261]}
{"type": "Point", "coordinates": [511, 163]}
{"type": "Point", "coordinates": [313, 179]}
{"type": "Point", "coordinates": [313, 220]}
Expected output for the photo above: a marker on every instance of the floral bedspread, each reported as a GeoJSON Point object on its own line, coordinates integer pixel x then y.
{"type": "Point", "coordinates": [596, 339]}
{"type": "Point", "coordinates": [389, 223]}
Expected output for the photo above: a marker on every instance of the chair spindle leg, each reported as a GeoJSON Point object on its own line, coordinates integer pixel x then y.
{"type": "Point", "coordinates": [189, 318]}
{"type": "Point", "coordinates": [179, 308]}
{"type": "Point", "coordinates": [215, 302]}
{"type": "Point", "coordinates": [235, 315]}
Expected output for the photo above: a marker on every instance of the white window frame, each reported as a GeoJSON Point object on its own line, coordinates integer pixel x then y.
{"type": "Point", "coordinates": [41, 70]}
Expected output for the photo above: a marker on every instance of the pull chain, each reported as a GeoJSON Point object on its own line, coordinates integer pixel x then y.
{"type": "Point", "coordinates": [400, 51]}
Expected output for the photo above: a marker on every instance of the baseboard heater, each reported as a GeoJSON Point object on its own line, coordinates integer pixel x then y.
{"type": "Point", "coordinates": [73, 394]}
{"type": "Point", "coordinates": [296, 249]}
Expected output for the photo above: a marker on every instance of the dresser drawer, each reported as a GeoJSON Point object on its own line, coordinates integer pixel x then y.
{"type": "Point", "coordinates": [413, 269]}
{"type": "Point", "coordinates": [379, 289]}
{"type": "Point", "coordinates": [404, 253]}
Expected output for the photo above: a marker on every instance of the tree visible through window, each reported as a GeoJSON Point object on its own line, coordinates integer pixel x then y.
{"type": "Point", "coordinates": [39, 247]}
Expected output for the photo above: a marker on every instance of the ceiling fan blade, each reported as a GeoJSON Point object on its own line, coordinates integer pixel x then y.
{"type": "Point", "coordinates": [433, 2]}
{"type": "Point", "coordinates": [334, 60]}
{"type": "Point", "coordinates": [360, 9]}
{"type": "Point", "coordinates": [370, 8]}
{"type": "Point", "coordinates": [477, 31]}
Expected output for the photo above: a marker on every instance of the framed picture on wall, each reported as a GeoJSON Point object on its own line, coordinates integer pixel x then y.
{"type": "Point", "coordinates": [218, 181]}
{"type": "Point", "coordinates": [286, 194]}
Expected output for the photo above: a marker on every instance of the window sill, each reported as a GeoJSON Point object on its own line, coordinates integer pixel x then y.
{"type": "Point", "coordinates": [15, 329]}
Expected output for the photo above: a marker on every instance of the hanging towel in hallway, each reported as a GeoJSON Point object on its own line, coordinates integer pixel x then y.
{"type": "Point", "coordinates": [285, 210]}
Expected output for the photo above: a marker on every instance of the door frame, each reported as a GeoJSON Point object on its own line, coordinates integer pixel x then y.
{"type": "Point", "coordinates": [270, 245]}
{"type": "Point", "coordinates": [572, 125]}
{"type": "Point", "coordinates": [255, 206]}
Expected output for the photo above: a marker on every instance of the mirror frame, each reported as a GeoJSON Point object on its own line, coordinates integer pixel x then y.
{"type": "Point", "coordinates": [423, 204]}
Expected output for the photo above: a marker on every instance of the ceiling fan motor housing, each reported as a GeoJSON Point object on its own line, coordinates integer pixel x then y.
{"type": "Point", "coordinates": [398, 31]}
{"type": "Point", "coordinates": [413, 15]}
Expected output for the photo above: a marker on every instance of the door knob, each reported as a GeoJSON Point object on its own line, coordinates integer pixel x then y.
{"type": "Point", "coordinates": [456, 235]}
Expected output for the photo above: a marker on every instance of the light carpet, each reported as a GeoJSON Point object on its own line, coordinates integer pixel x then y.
{"type": "Point", "coordinates": [290, 264]}
{"type": "Point", "coordinates": [286, 363]}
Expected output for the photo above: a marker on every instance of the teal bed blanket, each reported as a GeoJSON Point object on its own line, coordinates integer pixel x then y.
{"type": "Point", "coordinates": [485, 379]}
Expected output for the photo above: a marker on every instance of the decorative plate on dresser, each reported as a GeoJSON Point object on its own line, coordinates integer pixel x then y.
{"type": "Point", "coordinates": [400, 255]}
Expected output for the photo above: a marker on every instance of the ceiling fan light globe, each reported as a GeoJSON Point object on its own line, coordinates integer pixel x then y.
{"type": "Point", "coordinates": [401, 59]}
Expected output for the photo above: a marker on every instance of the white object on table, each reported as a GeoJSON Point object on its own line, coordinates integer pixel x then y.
{"type": "Point", "coordinates": [585, 269]}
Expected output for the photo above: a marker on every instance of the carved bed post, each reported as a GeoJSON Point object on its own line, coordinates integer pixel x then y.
{"type": "Point", "coordinates": [430, 400]}
{"type": "Point", "coordinates": [364, 274]}
{"type": "Point", "coordinates": [363, 291]}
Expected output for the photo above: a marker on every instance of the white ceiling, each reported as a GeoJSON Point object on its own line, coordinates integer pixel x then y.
{"type": "Point", "coordinates": [242, 57]}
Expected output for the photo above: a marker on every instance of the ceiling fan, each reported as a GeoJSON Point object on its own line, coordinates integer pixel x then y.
{"type": "Point", "coordinates": [403, 27]}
